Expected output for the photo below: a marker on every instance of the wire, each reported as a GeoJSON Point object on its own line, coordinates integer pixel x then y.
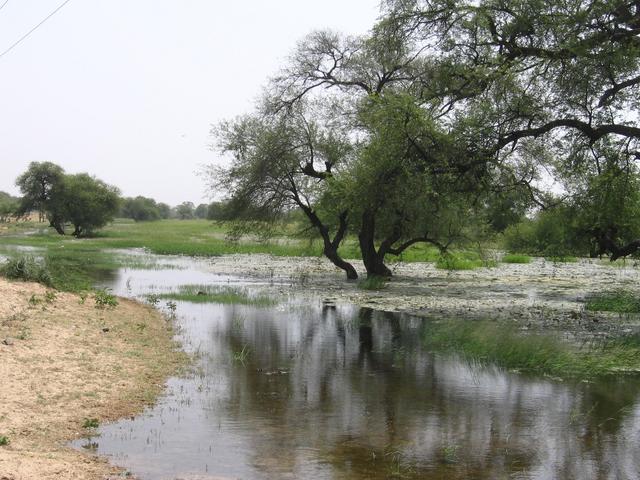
{"type": "Point", "coordinates": [34, 28]}
{"type": "Point", "coordinates": [5, 2]}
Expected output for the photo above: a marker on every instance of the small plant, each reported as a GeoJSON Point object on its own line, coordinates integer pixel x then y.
{"type": "Point", "coordinates": [50, 296]}
{"type": "Point", "coordinates": [24, 333]}
{"type": "Point", "coordinates": [34, 300]}
{"type": "Point", "coordinates": [104, 299]}
{"type": "Point", "coordinates": [83, 298]}
{"type": "Point", "coordinates": [242, 355]}
{"type": "Point", "coordinates": [90, 423]}
{"type": "Point", "coordinates": [373, 282]}
{"type": "Point", "coordinates": [172, 306]}
{"type": "Point", "coordinates": [153, 299]}
{"type": "Point", "coordinates": [4, 441]}
{"type": "Point", "coordinates": [450, 453]}
{"type": "Point", "coordinates": [516, 258]}
{"type": "Point", "coordinates": [141, 327]}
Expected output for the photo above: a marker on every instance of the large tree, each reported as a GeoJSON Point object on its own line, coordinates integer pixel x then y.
{"type": "Point", "coordinates": [564, 73]}
{"type": "Point", "coordinates": [281, 161]}
{"type": "Point", "coordinates": [36, 185]}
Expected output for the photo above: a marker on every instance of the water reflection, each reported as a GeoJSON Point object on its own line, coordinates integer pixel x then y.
{"type": "Point", "coordinates": [331, 391]}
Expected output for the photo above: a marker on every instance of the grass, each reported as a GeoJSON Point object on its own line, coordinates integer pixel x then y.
{"type": "Point", "coordinates": [214, 294]}
{"type": "Point", "coordinates": [516, 258]}
{"type": "Point", "coordinates": [496, 343]}
{"type": "Point", "coordinates": [373, 282]}
{"type": "Point", "coordinates": [465, 260]}
{"type": "Point", "coordinates": [619, 301]}
{"type": "Point", "coordinates": [562, 259]}
{"type": "Point", "coordinates": [26, 268]}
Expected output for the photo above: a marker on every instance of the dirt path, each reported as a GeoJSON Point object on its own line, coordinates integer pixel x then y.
{"type": "Point", "coordinates": [63, 361]}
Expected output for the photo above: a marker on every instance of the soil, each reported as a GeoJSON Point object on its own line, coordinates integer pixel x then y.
{"type": "Point", "coordinates": [63, 362]}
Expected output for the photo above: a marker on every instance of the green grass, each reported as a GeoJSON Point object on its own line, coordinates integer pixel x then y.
{"type": "Point", "coordinates": [562, 259]}
{"type": "Point", "coordinates": [619, 302]}
{"type": "Point", "coordinates": [213, 294]}
{"type": "Point", "coordinates": [373, 282]}
{"type": "Point", "coordinates": [516, 258]}
{"type": "Point", "coordinates": [464, 260]}
{"type": "Point", "coordinates": [26, 268]}
{"type": "Point", "coordinates": [496, 343]}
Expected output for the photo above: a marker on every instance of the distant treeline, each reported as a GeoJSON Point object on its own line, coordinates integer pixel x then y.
{"type": "Point", "coordinates": [143, 209]}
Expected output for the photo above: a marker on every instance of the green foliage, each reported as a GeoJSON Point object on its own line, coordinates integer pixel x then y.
{"type": "Point", "coordinates": [104, 299]}
{"type": "Point", "coordinates": [460, 261]}
{"type": "Point", "coordinates": [619, 301]}
{"type": "Point", "coordinates": [185, 211]}
{"type": "Point", "coordinates": [26, 268]}
{"type": "Point", "coordinates": [214, 294]}
{"type": "Point", "coordinates": [516, 258]}
{"type": "Point", "coordinates": [140, 209]}
{"type": "Point", "coordinates": [4, 441]}
{"type": "Point", "coordinates": [373, 282]}
{"type": "Point", "coordinates": [90, 423]}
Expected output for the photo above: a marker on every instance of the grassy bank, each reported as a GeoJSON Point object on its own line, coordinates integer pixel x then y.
{"type": "Point", "coordinates": [503, 345]}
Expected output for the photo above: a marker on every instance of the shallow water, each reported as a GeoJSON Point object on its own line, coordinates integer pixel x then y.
{"type": "Point", "coordinates": [324, 391]}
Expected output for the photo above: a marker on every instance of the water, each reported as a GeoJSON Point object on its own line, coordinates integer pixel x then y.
{"type": "Point", "coordinates": [325, 391]}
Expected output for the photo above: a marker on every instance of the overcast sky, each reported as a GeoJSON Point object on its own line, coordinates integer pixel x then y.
{"type": "Point", "coordinates": [127, 90]}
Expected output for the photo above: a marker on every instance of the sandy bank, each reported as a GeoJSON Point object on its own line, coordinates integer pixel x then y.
{"type": "Point", "coordinates": [62, 362]}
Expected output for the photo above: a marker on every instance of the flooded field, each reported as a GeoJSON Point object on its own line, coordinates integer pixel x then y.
{"type": "Point", "coordinates": [306, 387]}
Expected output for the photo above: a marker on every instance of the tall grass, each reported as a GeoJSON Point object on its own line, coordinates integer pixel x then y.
{"type": "Point", "coordinates": [26, 268]}
{"type": "Point", "coordinates": [619, 301]}
{"type": "Point", "coordinates": [516, 258]}
{"type": "Point", "coordinates": [500, 344]}
{"type": "Point", "coordinates": [215, 294]}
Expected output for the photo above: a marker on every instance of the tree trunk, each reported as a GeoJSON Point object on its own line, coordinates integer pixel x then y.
{"type": "Point", "coordinates": [57, 226]}
{"type": "Point", "coordinates": [373, 259]}
{"type": "Point", "coordinates": [332, 254]}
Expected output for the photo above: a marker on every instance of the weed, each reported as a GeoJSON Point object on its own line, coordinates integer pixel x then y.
{"type": "Point", "coordinates": [516, 258]}
{"type": "Point", "coordinates": [172, 307]}
{"type": "Point", "coordinates": [153, 299]}
{"type": "Point", "coordinates": [90, 423]}
{"type": "Point", "coordinates": [27, 269]}
{"type": "Point", "coordinates": [242, 355]}
{"type": "Point", "coordinates": [618, 301]}
{"type": "Point", "coordinates": [50, 296]}
{"type": "Point", "coordinates": [34, 300]}
{"type": "Point", "coordinates": [373, 282]}
{"type": "Point", "coordinates": [4, 441]}
{"type": "Point", "coordinates": [104, 299]}
{"type": "Point", "coordinates": [450, 453]}
{"type": "Point", "coordinates": [83, 297]}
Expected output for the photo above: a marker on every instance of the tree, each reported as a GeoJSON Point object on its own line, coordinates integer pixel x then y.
{"type": "Point", "coordinates": [565, 73]}
{"type": "Point", "coordinates": [201, 211]}
{"type": "Point", "coordinates": [141, 209]}
{"type": "Point", "coordinates": [164, 210]}
{"type": "Point", "coordinates": [185, 210]}
{"type": "Point", "coordinates": [85, 202]}
{"type": "Point", "coordinates": [216, 211]}
{"type": "Point", "coordinates": [8, 206]}
{"type": "Point", "coordinates": [283, 161]}
{"type": "Point", "coordinates": [36, 185]}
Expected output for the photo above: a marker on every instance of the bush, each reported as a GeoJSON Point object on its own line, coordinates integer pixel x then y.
{"type": "Point", "coordinates": [27, 269]}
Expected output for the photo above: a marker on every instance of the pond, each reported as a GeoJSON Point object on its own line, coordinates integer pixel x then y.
{"type": "Point", "coordinates": [315, 389]}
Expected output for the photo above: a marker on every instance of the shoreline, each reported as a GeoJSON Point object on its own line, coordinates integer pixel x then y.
{"type": "Point", "coordinates": [66, 364]}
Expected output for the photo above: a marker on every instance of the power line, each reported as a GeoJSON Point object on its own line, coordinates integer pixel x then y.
{"type": "Point", "coordinates": [34, 28]}
{"type": "Point", "coordinates": [5, 2]}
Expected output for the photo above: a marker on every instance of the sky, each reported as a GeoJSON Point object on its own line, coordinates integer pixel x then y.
{"type": "Point", "coordinates": [127, 90]}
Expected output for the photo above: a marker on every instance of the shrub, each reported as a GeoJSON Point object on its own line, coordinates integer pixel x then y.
{"type": "Point", "coordinates": [27, 269]}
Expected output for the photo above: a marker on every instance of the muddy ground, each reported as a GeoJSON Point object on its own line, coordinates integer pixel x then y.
{"type": "Point", "coordinates": [542, 295]}
{"type": "Point", "coordinates": [65, 364]}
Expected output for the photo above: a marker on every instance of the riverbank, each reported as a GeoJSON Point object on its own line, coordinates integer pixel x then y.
{"type": "Point", "coordinates": [67, 366]}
